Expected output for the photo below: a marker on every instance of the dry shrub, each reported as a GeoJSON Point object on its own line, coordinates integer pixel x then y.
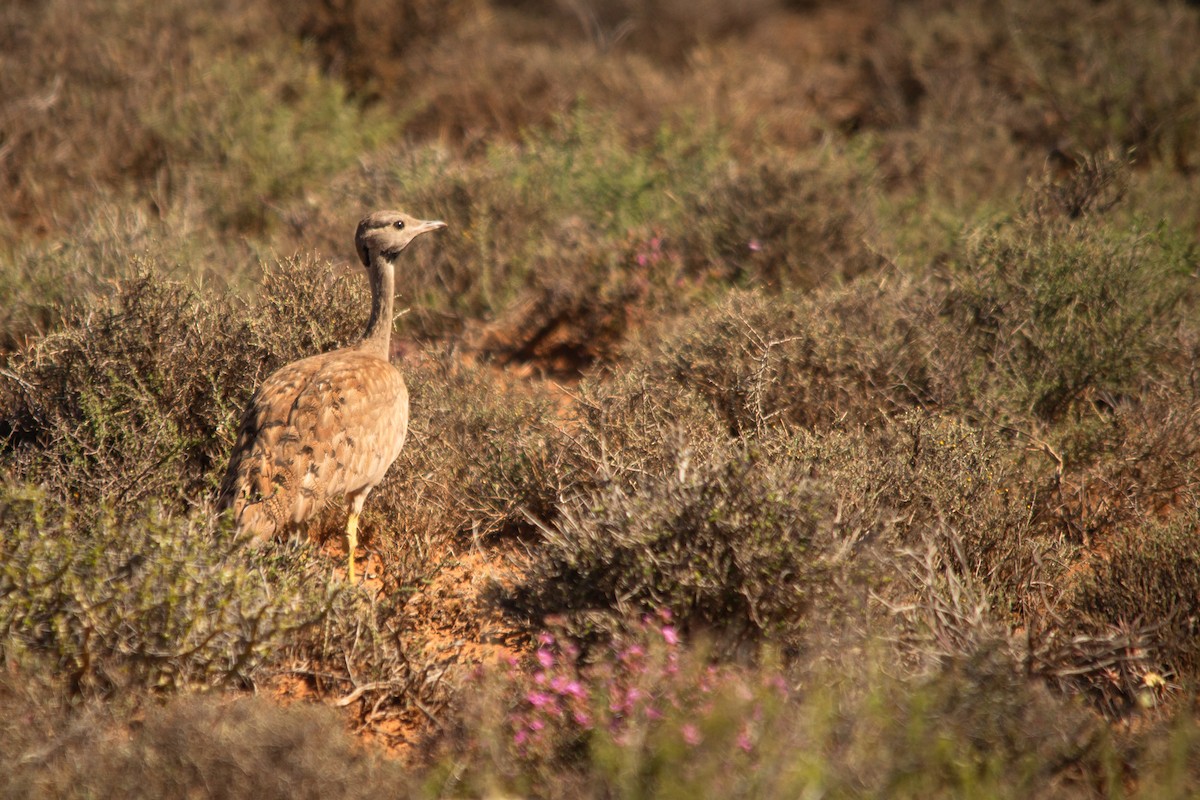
{"type": "Point", "coordinates": [901, 481]}
{"type": "Point", "coordinates": [240, 135]}
{"type": "Point", "coordinates": [200, 746]}
{"type": "Point", "coordinates": [949, 105]}
{"type": "Point", "coordinates": [1116, 74]}
{"type": "Point", "coordinates": [45, 278]}
{"type": "Point", "coordinates": [725, 539]}
{"type": "Point", "coordinates": [972, 97]}
{"type": "Point", "coordinates": [1128, 466]}
{"type": "Point", "coordinates": [666, 30]}
{"type": "Point", "coordinates": [81, 81]}
{"type": "Point", "coordinates": [783, 223]}
{"type": "Point", "coordinates": [478, 453]}
{"type": "Point", "coordinates": [374, 45]}
{"type": "Point", "coordinates": [585, 296]}
{"type": "Point", "coordinates": [137, 394]}
{"type": "Point", "coordinates": [847, 355]}
{"type": "Point", "coordinates": [1150, 578]}
{"type": "Point", "coordinates": [365, 654]}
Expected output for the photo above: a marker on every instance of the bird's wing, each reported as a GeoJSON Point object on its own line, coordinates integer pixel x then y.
{"type": "Point", "coordinates": [315, 429]}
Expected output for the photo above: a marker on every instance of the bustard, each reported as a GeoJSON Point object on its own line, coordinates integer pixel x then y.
{"type": "Point", "coordinates": [327, 425]}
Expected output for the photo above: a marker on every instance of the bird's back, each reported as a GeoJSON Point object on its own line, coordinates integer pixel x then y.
{"type": "Point", "coordinates": [316, 429]}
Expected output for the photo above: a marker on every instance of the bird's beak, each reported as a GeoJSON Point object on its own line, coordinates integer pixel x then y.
{"type": "Point", "coordinates": [429, 225]}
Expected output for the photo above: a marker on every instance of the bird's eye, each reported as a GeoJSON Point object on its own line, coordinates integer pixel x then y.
{"type": "Point", "coordinates": [399, 224]}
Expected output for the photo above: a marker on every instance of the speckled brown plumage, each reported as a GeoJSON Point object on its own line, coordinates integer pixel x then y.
{"type": "Point", "coordinates": [329, 425]}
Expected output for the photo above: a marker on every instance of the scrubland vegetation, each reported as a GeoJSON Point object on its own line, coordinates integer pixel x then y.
{"type": "Point", "coordinates": [806, 398]}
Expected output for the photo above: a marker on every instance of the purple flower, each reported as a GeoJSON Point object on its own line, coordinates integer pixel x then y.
{"type": "Point", "coordinates": [669, 634]}
{"type": "Point", "coordinates": [538, 699]}
{"type": "Point", "coordinates": [536, 725]}
{"type": "Point", "coordinates": [575, 689]}
{"type": "Point", "coordinates": [582, 719]}
{"type": "Point", "coordinates": [545, 658]}
{"type": "Point", "coordinates": [545, 639]}
{"type": "Point", "coordinates": [519, 737]}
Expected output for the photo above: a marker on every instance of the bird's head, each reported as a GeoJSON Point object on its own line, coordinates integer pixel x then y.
{"type": "Point", "coordinates": [389, 232]}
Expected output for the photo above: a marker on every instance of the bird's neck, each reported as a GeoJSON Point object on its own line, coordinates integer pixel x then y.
{"type": "Point", "coordinates": [378, 337]}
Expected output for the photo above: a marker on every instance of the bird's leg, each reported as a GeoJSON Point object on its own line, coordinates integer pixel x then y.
{"type": "Point", "coordinates": [352, 531]}
{"type": "Point", "coordinates": [352, 542]}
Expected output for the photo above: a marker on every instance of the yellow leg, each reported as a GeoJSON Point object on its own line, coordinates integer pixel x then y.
{"type": "Point", "coordinates": [352, 540]}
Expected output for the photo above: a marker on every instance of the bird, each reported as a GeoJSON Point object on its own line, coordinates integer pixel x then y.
{"type": "Point", "coordinates": [329, 425]}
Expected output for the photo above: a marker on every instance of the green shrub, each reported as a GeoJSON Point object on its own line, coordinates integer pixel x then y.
{"type": "Point", "coordinates": [648, 717]}
{"type": "Point", "coordinates": [250, 132]}
{"type": "Point", "coordinates": [150, 601]}
{"type": "Point", "coordinates": [1070, 312]}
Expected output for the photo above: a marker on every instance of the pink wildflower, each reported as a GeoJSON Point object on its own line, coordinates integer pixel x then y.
{"type": "Point", "coordinates": [545, 639]}
{"type": "Point", "coordinates": [538, 699]}
{"type": "Point", "coordinates": [691, 734]}
{"type": "Point", "coordinates": [669, 634]}
{"type": "Point", "coordinates": [582, 719]}
{"type": "Point", "coordinates": [575, 689]}
{"type": "Point", "coordinates": [545, 658]}
{"type": "Point", "coordinates": [743, 741]}
{"type": "Point", "coordinates": [755, 245]}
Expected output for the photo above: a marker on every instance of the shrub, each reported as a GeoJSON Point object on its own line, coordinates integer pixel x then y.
{"type": "Point", "coordinates": [1150, 577]}
{"type": "Point", "coordinates": [839, 356]}
{"type": "Point", "coordinates": [479, 456]}
{"type": "Point", "coordinates": [782, 223]}
{"type": "Point", "coordinates": [200, 746]}
{"type": "Point", "coordinates": [88, 83]}
{"type": "Point", "coordinates": [1136, 90]}
{"type": "Point", "coordinates": [247, 133]}
{"type": "Point", "coordinates": [137, 395]}
{"type": "Point", "coordinates": [908, 479]}
{"type": "Point", "coordinates": [649, 716]}
{"type": "Point", "coordinates": [727, 539]}
{"type": "Point", "coordinates": [149, 602]}
{"type": "Point", "coordinates": [1071, 312]}
{"type": "Point", "coordinates": [642, 716]}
